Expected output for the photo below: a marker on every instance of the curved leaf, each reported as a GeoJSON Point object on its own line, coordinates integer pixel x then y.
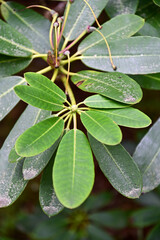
{"type": "Point", "coordinates": [13, 43]}
{"type": "Point", "coordinates": [39, 137]}
{"type": "Point", "coordinates": [97, 233]}
{"type": "Point", "coordinates": [29, 23]}
{"type": "Point", "coordinates": [136, 55]}
{"type": "Point", "coordinates": [98, 101]}
{"type": "Point", "coordinates": [38, 98]}
{"type": "Point", "coordinates": [73, 176]}
{"type": "Point", "coordinates": [15, 64]}
{"type": "Point", "coordinates": [150, 81]}
{"type": "Point", "coordinates": [43, 83]}
{"type": "Point", "coordinates": [119, 27]}
{"type": "Point", "coordinates": [47, 197]}
{"type": "Point", "coordinates": [157, 2]}
{"type": "Point", "coordinates": [14, 157]}
{"type": "Point", "coordinates": [154, 233]}
{"type": "Point", "coordinates": [115, 7]}
{"type": "Point", "coordinates": [147, 156]}
{"type": "Point", "coordinates": [8, 98]}
{"type": "Point", "coordinates": [128, 117]}
{"type": "Point", "coordinates": [11, 182]}
{"type": "Point", "coordinates": [101, 127]}
{"type": "Point", "coordinates": [116, 86]}
{"type": "Point", "coordinates": [80, 17]}
{"type": "Point", "coordinates": [118, 166]}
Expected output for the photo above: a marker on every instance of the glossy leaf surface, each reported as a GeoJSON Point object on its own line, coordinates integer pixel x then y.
{"type": "Point", "coordinates": [47, 197]}
{"type": "Point", "coordinates": [8, 98]}
{"type": "Point", "coordinates": [33, 166]}
{"type": "Point", "coordinates": [98, 101]}
{"type": "Point", "coordinates": [120, 27]}
{"type": "Point", "coordinates": [136, 55]}
{"type": "Point", "coordinates": [101, 127]}
{"type": "Point", "coordinates": [119, 168]}
{"type": "Point", "coordinates": [15, 64]}
{"type": "Point", "coordinates": [29, 23]}
{"type": "Point", "coordinates": [73, 176]}
{"type": "Point", "coordinates": [11, 182]}
{"type": "Point", "coordinates": [38, 98]}
{"type": "Point", "coordinates": [39, 137]}
{"type": "Point", "coordinates": [116, 86]}
{"type": "Point", "coordinates": [80, 17]}
{"type": "Point", "coordinates": [128, 117]}
{"type": "Point", "coordinates": [150, 81]}
{"type": "Point", "coordinates": [115, 7]}
{"type": "Point", "coordinates": [147, 156]}
{"type": "Point", "coordinates": [13, 43]}
{"type": "Point", "coordinates": [43, 83]}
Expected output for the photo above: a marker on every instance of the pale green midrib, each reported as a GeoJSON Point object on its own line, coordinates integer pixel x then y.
{"type": "Point", "coordinates": [33, 29]}
{"type": "Point", "coordinates": [71, 30]}
{"type": "Point", "coordinates": [127, 179]}
{"type": "Point", "coordinates": [154, 157]}
{"type": "Point", "coordinates": [43, 100]}
{"type": "Point", "coordinates": [95, 121]}
{"type": "Point", "coordinates": [121, 56]}
{"type": "Point", "coordinates": [152, 77]}
{"type": "Point", "coordinates": [74, 160]}
{"type": "Point", "coordinates": [38, 114]}
{"type": "Point", "coordinates": [15, 59]}
{"type": "Point", "coordinates": [111, 34]}
{"type": "Point", "coordinates": [43, 133]}
{"type": "Point", "coordinates": [10, 89]}
{"type": "Point", "coordinates": [17, 44]}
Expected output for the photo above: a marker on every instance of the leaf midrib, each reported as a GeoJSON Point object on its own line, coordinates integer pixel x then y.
{"type": "Point", "coordinates": [154, 157]}
{"type": "Point", "coordinates": [10, 89]}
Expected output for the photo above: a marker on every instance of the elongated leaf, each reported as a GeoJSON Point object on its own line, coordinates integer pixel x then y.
{"type": "Point", "coordinates": [15, 64]}
{"type": "Point", "coordinates": [147, 156]}
{"type": "Point", "coordinates": [157, 2]}
{"type": "Point", "coordinates": [43, 83]}
{"type": "Point", "coordinates": [80, 17]}
{"type": "Point", "coordinates": [47, 197]}
{"type": "Point", "coordinates": [128, 117]}
{"type": "Point", "coordinates": [39, 137]}
{"type": "Point", "coordinates": [146, 9]}
{"type": "Point", "coordinates": [14, 157]}
{"type": "Point", "coordinates": [29, 23]}
{"type": "Point", "coordinates": [146, 217]}
{"type": "Point", "coordinates": [154, 233]}
{"type": "Point", "coordinates": [38, 98]}
{"type": "Point", "coordinates": [13, 43]}
{"type": "Point", "coordinates": [98, 101]}
{"type": "Point", "coordinates": [73, 176]}
{"type": "Point", "coordinates": [97, 233]}
{"type": "Point", "coordinates": [118, 166]}
{"type": "Point", "coordinates": [101, 127]}
{"type": "Point", "coordinates": [8, 98]}
{"type": "Point", "coordinates": [33, 166]}
{"type": "Point", "coordinates": [11, 182]}
{"type": "Point", "coordinates": [116, 86]}
{"type": "Point", "coordinates": [120, 27]}
{"type": "Point", "coordinates": [136, 55]}
{"type": "Point", "coordinates": [150, 81]}
{"type": "Point", "coordinates": [115, 7]}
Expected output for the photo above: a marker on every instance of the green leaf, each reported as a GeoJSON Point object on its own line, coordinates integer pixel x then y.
{"type": "Point", "coordinates": [96, 233]}
{"type": "Point", "coordinates": [146, 9]}
{"type": "Point", "coordinates": [39, 137]}
{"type": "Point", "coordinates": [119, 168]}
{"type": "Point", "coordinates": [115, 7]}
{"type": "Point", "coordinates": [15, 64]}
{"type": "Point", "coordinates": [38, 98]}
{"type": "Point", "coordinates": [101, 127]}
{"type": "Point", "coordinates": [14, 157]}
{"type": "Point", "coordinates": [136, 55]}
{"type": "Point", "coordinates": [120, 27]}
{"type": "Point", "coordinates": [29, 23]}
{"type": "Point", "coordinates": [80, 17]}
{"type": "Point", "coordinates": [147, 156]}
{"type": "Point", "coordinates": [13, 43]}
{"type": "Point", "coordinates": [33, 166]}
{"type": "Point", "coordinates": [157, 2]}
{"type": "Point", "coordinates": [116, 86]}
{"type": "Point", "coordinates": [73, 177]}
{"type": "Point", "coordinates": [8, 98]}
{"type": "Point", "coordinates": [98, 101]}
{"type": "Point", "coordinates": [43, 83]}
{"type": "Point", "coordinates": [115, 219]}
{"type": "Point", "coordinates": [145, 217]}
{"type": "Point", "coordinates": [154, 233]}
{"type": "Point", "coordinates": [128, 117]}
{"type": "Point", "coordinates": [150, 81]}
{"type": "Point", "coordinates": [11, 182]}
{"type": "Point", "coordinates": [47, 197]}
